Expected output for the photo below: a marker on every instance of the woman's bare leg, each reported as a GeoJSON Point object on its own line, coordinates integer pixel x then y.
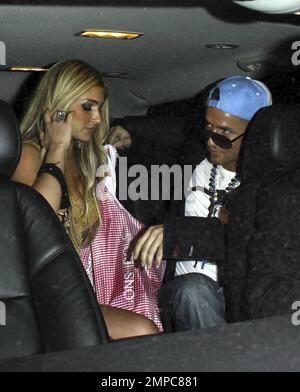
{"type": "Point", "coordinates": [124, 324]}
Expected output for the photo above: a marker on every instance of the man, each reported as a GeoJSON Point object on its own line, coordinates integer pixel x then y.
{"type": "Point", "coordinates": [194, 299]}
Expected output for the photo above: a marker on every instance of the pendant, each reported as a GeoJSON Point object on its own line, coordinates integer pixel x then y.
{"type": "Point", "coordinates": [65, 219]}
{"type": "Point", "coordinates": [213, 210]}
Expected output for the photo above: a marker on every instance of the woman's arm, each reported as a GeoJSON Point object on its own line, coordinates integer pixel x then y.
{"type": "Point", "coordinates": [56, 139]}
{"type": "Point", "coordinates": [45, 184]}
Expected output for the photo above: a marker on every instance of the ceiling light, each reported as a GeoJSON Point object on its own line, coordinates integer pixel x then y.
{"type": "Point", "coordinates": [114, 73]}
{"type": "Point", "coordinates": [222, 46]}
{"type": "Point", "coordinates": [271, 7]}
{"type": "Point", "coordinates": [109, 34]}
{"type": "Point", "coordinates": [24, 69]}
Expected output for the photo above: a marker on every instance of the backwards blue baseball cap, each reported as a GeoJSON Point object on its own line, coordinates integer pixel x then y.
{"type": "Point", "coordinates": [240, 96]}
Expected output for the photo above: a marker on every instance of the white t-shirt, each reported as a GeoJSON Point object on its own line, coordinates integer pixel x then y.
{"type": "Point", "coordinates": [197, 204]}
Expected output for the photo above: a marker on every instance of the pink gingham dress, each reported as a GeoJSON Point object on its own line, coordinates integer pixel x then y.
{"type": "Point", "coordinates": [117, 279]}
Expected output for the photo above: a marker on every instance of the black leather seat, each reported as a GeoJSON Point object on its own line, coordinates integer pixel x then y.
{"type": "Point", "coordinates": [49, 303]}
{"type": "Point", "coordinates": [262, 269]}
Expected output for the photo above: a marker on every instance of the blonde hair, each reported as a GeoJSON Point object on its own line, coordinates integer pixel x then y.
{"type": "Point", "coordinates": [57, 90]}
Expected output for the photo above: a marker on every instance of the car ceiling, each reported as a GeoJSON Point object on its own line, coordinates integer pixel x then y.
{"type": "Point", "coordinates": [168, 63]}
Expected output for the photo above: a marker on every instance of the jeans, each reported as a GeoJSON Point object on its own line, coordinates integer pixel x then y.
{"type": "Point", "coordinates": [191, 301]}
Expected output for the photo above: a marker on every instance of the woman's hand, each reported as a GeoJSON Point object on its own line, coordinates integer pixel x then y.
{"type": "Point", "coordinates": [57, 133]}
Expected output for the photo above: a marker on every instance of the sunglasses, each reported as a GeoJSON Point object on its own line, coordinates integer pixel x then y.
{"type": "Point", "coordinates": [221, 140]}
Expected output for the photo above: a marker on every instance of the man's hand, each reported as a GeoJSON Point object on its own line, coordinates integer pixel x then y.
{"type": "Point", "coordinates": [119, 137]}
{"type": "Point", "coordinates": [150, 246]}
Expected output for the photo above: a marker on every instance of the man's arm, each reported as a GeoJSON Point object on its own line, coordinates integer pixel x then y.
{"type": "Point", "coordinates": [182, 238]}
{"type": "Point", "coordinates": [193, 238]}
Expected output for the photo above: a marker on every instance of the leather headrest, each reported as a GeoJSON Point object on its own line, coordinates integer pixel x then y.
{"type": "Point", "coordinates": [10, 141]}
{"type": "Point", "coordinates": [272, 143]}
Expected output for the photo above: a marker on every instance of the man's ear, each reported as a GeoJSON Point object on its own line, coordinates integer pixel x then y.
{"type": "Point", "coordinates": [215, 96]}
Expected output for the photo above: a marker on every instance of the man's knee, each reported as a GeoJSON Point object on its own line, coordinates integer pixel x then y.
{"type": "Point", "coordinates": [191, 301]}
{"type": "Point", "coordinates": [191, 287]}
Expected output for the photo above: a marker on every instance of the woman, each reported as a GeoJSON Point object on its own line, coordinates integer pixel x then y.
{"type": "Point", "coordinates": [63, 132]}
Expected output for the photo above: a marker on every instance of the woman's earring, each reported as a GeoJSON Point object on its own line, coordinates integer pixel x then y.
{"type": "Point", "coordinates": [79, 144]}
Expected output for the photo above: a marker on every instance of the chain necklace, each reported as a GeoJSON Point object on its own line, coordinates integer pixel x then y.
{"type": "Point", "coordinates": [219, 198]}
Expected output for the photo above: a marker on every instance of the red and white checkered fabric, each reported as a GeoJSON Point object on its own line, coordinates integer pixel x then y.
{"type": "Point", "coordinates": [117, 279]}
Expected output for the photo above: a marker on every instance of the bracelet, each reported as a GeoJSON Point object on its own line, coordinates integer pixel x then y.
{"type": "Point", "coordinates": [55, 171]}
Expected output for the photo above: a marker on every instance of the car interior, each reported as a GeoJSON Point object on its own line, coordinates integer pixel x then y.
{"type": "Point", "coordinates": [157, 77]}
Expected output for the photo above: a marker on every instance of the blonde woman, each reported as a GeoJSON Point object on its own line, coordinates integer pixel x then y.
{"type": "Point", "coordinates": [63, 133]}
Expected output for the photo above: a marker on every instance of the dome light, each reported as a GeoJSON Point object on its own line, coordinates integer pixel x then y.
{"type": "Point", "coordinates": [271, 6]}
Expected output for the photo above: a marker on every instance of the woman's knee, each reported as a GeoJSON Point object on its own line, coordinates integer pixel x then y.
{"type": "Point", "coordinates": [144, 326]}
{"type": "Point", "coordinates": [124, 323]}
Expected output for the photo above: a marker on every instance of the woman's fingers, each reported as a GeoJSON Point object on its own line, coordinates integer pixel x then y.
{"type": "Point", "coordinates": [58, 131]}
{"type": "Point", "coordinates": [47, 117]}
